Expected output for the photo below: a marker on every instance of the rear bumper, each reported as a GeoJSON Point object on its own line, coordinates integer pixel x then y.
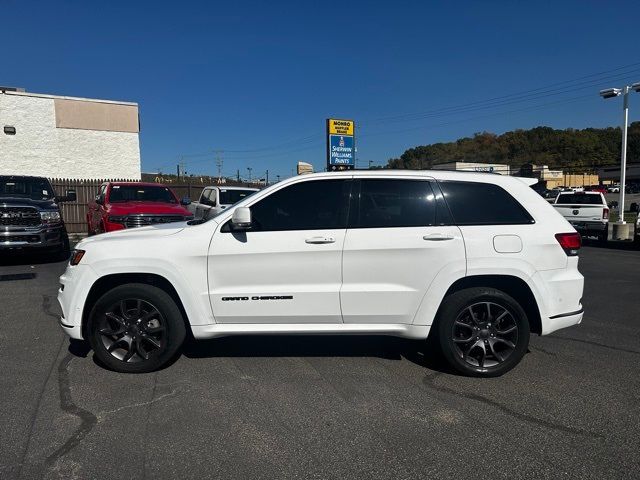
{"type": "Point", "coordinates": [588, 227]}
{"type": "Point", "coordinates": [564, 320]}
{"type": "Point", "coordinates": [560, 296]}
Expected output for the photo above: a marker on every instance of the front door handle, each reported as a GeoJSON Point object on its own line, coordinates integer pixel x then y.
{"type": "Point", "coordinates": [320, 240]}
{"type": "Point", "coordinates": [438, 237]}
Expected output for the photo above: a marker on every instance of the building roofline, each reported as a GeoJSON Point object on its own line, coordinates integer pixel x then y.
{"type": "Point", "coordinates": [46, 95]}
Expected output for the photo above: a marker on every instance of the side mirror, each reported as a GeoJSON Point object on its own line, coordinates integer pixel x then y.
{"type": "Point", "coordinates": [69, 197]}
{"type": "Point", "coordinates": [185, 201]}
{"type": "Point", "coordinates": [99, 199]}
{"type": "Point", "coordinates": [241, 219]}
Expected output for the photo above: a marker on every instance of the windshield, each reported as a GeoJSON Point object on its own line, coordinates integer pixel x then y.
{"type": "Point", "coordinates": [141, 193]}
{"type": "Point", "coordinates": [229, 197]}
{"type": "Point", "coordinates": [26, 187]}
{"type": "Point", "coordinates": [579, 199]}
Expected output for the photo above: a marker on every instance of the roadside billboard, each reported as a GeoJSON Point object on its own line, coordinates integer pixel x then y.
{"type": "Point", "coordinates": [340, 144]}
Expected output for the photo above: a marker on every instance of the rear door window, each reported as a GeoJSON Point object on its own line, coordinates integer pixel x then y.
{"type": "Point", "coordinates": [474, 203]}
{"type": "Point", "coordinates": [394, 203]}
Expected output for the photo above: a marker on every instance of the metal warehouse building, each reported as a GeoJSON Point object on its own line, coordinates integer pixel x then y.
{"type": "Point", "coordinates": [474, 167]}
{"type": "Point", "coordinates": [68, 137]}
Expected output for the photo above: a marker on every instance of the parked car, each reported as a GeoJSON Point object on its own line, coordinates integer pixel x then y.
{"type": "Point", "coordinates": [587, 212]}
{"type": "Point", "coordinates": [214, 200]}
{"type": "Point", "coordinates": [613, 188]}
{"type": "Point", "coordinates": [632, 188]}
{"type": "Point", "coordinates": [470, 261]}
{"type": "Point", "coordinates": [30, 215]}
{"type": "Point", "coordinates": [120, 205]}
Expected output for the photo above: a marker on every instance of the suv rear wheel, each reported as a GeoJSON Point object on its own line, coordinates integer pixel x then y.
{"type": "Point", "coordinates": [135, 328]}
{"type": "Point", "coordinates": [482, 332]}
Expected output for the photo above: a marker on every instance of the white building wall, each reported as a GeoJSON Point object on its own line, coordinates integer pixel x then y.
{"type": "Point", "coordinates": [39, 148]}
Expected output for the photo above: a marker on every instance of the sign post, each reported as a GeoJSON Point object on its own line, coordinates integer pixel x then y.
{"type": "Point", "coordinates": [341, 146]}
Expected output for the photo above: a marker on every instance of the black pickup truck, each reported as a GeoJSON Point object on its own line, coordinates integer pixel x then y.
{"type": "Point", "coordinates": [30, 216]}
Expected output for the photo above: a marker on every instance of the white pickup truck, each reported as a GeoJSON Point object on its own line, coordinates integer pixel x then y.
{"type": "Point", "coordinates": [586, 211]}
{"type": "Point", "coordinates": [214, 200]}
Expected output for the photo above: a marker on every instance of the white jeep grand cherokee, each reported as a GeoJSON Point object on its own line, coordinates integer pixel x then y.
{"type": "Point", "coordinates": [474, 262]}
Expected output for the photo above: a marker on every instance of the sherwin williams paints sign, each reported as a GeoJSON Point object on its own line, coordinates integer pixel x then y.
{"type": "Point", "coordinates": [340, 144]}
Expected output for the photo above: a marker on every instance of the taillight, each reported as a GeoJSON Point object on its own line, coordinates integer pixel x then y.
{"type": "Point", "coordinates": [605, 214]}
{"type": "Point", "coordinates": [570, 242]}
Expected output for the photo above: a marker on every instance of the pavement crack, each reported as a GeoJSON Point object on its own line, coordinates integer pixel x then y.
{"type": "Point", "coordinates": [429, 381]}
{"type": "Point", "coordinates": [46, 305]}
{"type": "Point", "coordinates": [87, 419]}
{"type": "Point", "coordinates": [101, 415]}
{"type": "Point", "coordinates": [597, 344]}
{"type": "Point", "coordinates": [543, 350]}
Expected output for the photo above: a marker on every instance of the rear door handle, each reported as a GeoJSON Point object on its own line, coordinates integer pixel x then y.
{"type": "Point", "coordinates": [320, 240]}
{"type": "Point", "coordinates": [438, 237]}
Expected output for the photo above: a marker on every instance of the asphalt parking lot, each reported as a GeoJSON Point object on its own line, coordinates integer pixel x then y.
{"type": "Point", "coordinates": [323, 407]}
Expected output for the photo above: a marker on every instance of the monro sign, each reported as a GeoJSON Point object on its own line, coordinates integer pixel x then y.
{"type": "Point", "coordinates": [340, 144]}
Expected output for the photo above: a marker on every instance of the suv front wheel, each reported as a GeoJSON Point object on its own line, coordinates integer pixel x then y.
{"type": "Point", "coordinates": [135, 328]}
{"type": "Point", "coordinates": [482, 332]}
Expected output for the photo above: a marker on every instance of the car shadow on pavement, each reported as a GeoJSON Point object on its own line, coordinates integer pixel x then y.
{"type": "Point", "coordinates": [611, 244]}
{"type": "Point", "coordinates": [15, 258]}
{"type": "Point", "coordinates": [388, 348]}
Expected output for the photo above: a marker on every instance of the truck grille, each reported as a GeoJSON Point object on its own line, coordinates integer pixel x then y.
{"type": "Point", "coordinates": [19, 216]}
{"type": "Point", "coordinates": [20, 239]}
{"type": "Point", "coordinates": [144, 220]}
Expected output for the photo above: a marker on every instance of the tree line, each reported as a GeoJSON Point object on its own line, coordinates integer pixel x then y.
{"type": "Point", "coordinates": [559, 149]}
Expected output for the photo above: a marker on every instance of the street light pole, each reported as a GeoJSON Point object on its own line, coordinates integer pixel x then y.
{"type": "Point", "coordinates": [623, 155]}
{"type": "Point", "coordinates": [620, 228]}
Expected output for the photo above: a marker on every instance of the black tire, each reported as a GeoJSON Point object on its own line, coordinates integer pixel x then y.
{"type": "Point", "coordinates": [603, 237]}
{"type": "Point", "coordinates": [63, 252]}
{"type": "Point", "coordinates": [122, 322]}
{"type": "Point", "coordinates": [478, 345]}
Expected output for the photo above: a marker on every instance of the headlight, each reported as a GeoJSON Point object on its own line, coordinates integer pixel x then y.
{"type": "Point", "coordinates": [118, 219]}
{"type": "Point", "coordinates": [50, 217]}
{"type": "Point", "coordinates": [76, 256]}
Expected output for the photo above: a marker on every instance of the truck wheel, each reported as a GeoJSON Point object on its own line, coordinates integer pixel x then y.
{"type": "Point", "coordinates": [64, 251]}
{"type": "Point", "coordinates": [482, 332]}
{"type": "Point", "coordinates": [602, 238]}
{"type": "Point", "coordinates": [135, 328]}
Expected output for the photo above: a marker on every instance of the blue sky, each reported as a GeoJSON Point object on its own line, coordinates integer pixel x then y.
{"type": "Point", "coordinates": [258, 79]}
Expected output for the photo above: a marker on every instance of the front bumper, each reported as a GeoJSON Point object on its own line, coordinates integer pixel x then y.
{"type": "Point", "coordinates": [32, 237]}
{"type": "Point", "coordinates": [75, 284]}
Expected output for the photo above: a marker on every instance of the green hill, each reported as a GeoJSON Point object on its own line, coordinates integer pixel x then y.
{"type": "Point", "coordinates": [567, 149]}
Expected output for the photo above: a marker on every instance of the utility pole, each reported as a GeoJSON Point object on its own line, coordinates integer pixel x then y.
{"type": "Point", "coordinates": [249, 168]}
{"type": "Point", "coordinates": [219, 163]}
{"type": "Point", "coordinates": [266, 183]}
{"type": "Point", "coordinates": [238, 175]}
{"type": "Point", "coordinates": [278, 178]}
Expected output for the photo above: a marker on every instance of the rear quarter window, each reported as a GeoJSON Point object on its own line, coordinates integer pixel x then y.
{"type": "Point", "coordinates": [474, 203]}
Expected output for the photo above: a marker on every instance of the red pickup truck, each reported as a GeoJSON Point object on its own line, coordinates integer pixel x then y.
{"type": "Point", "coordinates": [120, 205]}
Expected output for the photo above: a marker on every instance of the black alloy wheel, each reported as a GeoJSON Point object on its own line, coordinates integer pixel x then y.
{"type": "Point", "coordinates": [485, 334]}
{"type": "Point", "coordinates": [481, 332]}
{"type": "Point", "coordinates": [132, 330]}
{"type": "Point", "coordinates": [136, 328]}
